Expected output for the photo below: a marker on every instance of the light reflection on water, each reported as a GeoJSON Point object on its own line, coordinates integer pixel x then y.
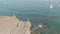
{"type": "Point", "coordinates": [53, 22]}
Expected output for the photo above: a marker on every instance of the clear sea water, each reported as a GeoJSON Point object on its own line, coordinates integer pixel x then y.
{"type": "Point", "coordinates": [35, 11]}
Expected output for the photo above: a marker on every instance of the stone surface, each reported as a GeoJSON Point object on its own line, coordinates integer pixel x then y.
{"type": "Point", "coordinates": [12, 25]}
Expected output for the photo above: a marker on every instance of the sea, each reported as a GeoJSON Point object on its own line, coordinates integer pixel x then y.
{"type": "Point", "coordinates": [35, 11]}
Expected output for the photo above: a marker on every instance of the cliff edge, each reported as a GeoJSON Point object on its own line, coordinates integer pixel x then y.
{"type": "Point", "coordinates": [12, 25]}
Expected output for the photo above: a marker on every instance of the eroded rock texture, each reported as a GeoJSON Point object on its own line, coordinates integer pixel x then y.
{"type": "Point", "coordinates": [11, 25]}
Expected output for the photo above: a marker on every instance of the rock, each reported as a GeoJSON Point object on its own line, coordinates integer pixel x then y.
{"type": "Point", "coordinates": [12, 25]}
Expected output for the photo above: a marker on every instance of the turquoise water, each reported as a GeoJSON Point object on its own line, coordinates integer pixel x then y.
{"type": "Point", "coordinates": [35, 11]}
